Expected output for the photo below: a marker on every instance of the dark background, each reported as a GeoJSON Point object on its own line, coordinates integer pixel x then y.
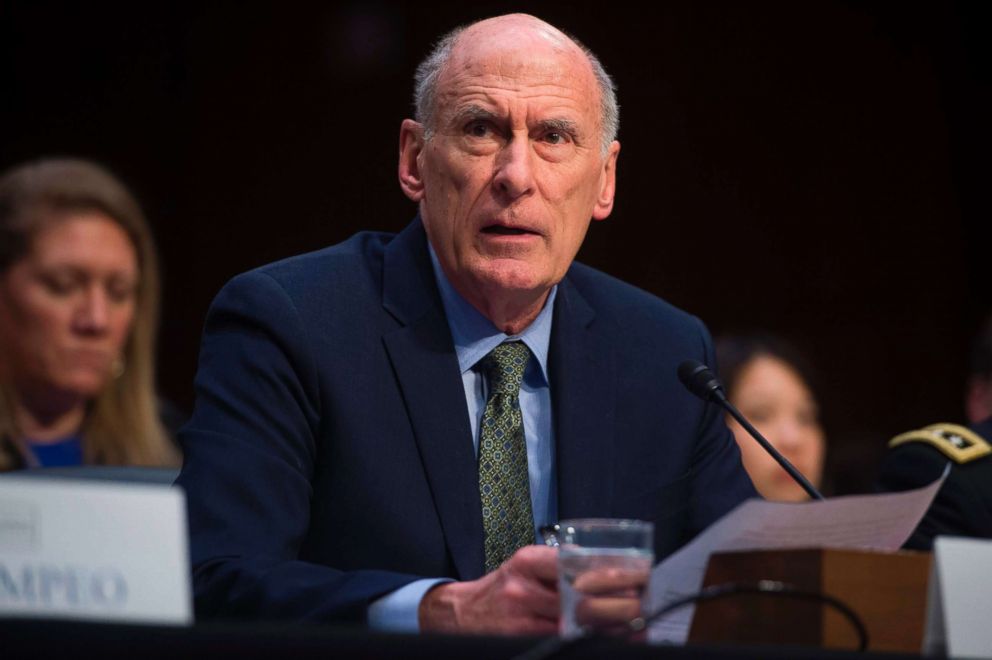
{"type": "Point", "coordinates": [816, 168]}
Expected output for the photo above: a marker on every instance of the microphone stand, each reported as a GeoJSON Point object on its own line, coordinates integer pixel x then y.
{"type": "Point", "coordinates": [721, 399]}
{"type": "Point", "coordinates": [699, 380]}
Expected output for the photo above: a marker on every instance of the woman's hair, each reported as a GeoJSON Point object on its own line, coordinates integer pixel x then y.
{"type": "Point", "coordinates": [122, 423]}
{"type": "Point", "coordinates": [735, 352]}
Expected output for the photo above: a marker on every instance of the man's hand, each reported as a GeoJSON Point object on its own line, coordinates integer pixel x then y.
{"type": "Point", "coordinates": [518, 598]}
{"type": "Point", "coordinates": [609, 598]}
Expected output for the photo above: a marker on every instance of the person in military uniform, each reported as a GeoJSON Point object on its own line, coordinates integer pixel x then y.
{"type": "Point", "coordinates": [963, 506]}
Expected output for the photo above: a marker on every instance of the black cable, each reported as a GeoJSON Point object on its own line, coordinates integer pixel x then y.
{"type": "Point", "coordinates": [764, 587]}
{"type": "Point", "coordinates": [554, 646]}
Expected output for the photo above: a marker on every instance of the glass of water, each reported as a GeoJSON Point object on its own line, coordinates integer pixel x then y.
{"type": "Point", "coordinates": [604, 566]}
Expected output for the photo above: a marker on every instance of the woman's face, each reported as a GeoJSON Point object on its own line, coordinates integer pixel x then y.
{"type": "Point", "coordinates": [66, 309]}
{"type": "Point", "coordinates": [776, 400]}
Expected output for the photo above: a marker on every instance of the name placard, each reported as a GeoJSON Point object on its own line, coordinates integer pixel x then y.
{"type": "Point", "coordinates": [93, 550]}
{"type": "Point", "coordinates": [959, 599]}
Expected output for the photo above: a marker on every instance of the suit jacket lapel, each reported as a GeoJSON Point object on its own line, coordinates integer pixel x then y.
{"type": "Point", "coordinates": [583, 390]}
{"type": "Point", "coordinates": [423, 357]}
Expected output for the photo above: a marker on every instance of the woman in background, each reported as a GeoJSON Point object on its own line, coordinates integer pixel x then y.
{"type": "Point", "coordinates": [79, 296]}
{"type": "Point", "coordinates": [768, 381]}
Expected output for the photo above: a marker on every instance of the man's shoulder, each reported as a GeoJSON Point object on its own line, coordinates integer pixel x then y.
{"type": "Point", "coordinates": [352, 257]}
{"type": "Point", "coordinates": [627, 304]}
{"type": "Point", "coordinates": [340, 276]}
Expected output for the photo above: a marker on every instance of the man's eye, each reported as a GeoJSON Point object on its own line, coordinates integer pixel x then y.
{"type": "Point", "coordinates": [477, 129]}
{"type": "Point", "coordinates": [555, 137]}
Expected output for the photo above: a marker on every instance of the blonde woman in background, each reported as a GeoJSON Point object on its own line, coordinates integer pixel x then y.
{"type": "Point", "coordinates": [79, 294]}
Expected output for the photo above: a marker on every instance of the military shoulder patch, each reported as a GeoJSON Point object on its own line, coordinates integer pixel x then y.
{"type": "Point", "coordinates": [956, 442]}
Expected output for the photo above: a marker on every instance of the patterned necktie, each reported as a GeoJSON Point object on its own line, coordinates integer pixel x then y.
{"type": "Point", "coordinates": [504, 483]}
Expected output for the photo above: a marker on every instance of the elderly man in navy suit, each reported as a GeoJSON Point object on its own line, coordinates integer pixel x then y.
{"type": "Point", "coordinates": [382, 426]}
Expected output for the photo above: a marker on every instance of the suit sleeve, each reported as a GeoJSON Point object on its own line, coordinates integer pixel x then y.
{"type": "Point", "coordinates": [249, 453]}
{"type": "Point", "coordinates": [959, 509]}
{"type": "Point", "coordinates": [720, 482]}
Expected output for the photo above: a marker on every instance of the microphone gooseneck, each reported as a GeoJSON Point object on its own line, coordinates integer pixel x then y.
{"type": "Point", "coordinates": [702, 382]}
{"type": "Point", "coordinates": [699, 380]}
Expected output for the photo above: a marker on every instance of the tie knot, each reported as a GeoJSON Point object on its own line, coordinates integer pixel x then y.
{"type": "Point", "coordinates": [504, 367]}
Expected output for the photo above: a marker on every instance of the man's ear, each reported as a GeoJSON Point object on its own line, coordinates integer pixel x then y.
{"type": "Point", "coordinates": [607, 185]}
{"type": "Point", "coordinates": [411, 145]}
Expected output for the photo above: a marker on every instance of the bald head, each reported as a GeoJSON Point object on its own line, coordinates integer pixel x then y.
{"type": "Point", "coordinates": [504, 36]}
{"type": "Point", "coordinates": [513, 32]}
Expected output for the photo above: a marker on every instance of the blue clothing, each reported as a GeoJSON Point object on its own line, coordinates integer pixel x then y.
{"type": "Point", "coordinates": [62, 453]}
{"type": "Point", "coordinates": [329, 460]}
{"type": "Point", "coordinates": [475, 336]}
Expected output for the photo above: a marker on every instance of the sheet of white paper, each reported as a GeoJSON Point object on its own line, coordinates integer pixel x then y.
{"type": "Point", "coordinates": [861, 522]}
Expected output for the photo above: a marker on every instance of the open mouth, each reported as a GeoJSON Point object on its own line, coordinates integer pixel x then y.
{"type": "Point", "coordinates": [505, 231]}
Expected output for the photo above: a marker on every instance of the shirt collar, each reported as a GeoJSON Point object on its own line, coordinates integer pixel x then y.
{"type": "Point", "coordinates": [475, 335]}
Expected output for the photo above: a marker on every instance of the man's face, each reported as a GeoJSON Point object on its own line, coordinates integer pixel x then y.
{"type": "Point", "coordinates": [514, 170]}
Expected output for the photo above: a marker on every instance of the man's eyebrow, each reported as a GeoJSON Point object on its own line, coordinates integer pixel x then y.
{"type": "Point", "coordinates": [472, 113]}
{"type": "Point", "coordinates": [559, 126]}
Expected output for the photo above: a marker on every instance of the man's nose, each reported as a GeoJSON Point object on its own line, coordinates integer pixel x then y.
{"type": "Point", "coordinates": [93, 313]}
{"type": "Point", "coordinates": [514, 175]}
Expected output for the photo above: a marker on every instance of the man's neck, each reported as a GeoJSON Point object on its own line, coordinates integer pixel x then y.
{"type": "Point", "coordinates": [510, 311]}
{"type": "Point", "coordinates": [511, 316]}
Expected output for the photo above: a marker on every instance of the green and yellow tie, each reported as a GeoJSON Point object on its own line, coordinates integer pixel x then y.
{"type": "Point", "coordinates": [504, 483]}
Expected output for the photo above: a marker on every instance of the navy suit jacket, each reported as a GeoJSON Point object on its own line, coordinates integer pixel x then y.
{"type": "Point", "coordinates": [329, 458]}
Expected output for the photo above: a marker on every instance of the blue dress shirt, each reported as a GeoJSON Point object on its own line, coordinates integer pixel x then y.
{"type": "Point", "coordinates": [474, 337]}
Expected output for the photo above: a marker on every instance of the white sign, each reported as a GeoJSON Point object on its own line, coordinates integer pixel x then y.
{"type": "Point", "coordinates": [960, 599]}
{"type": "Point", "coordinates": [93, 550]}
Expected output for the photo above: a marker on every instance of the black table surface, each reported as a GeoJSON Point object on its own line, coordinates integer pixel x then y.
{"type": "Point", "coordinates": [31, 638]}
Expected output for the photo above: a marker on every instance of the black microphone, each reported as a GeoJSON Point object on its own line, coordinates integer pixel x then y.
{"type": "Point", "coordinates": [702, 382]}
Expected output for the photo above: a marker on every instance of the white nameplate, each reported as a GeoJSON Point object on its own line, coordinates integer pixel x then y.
{"type": "Point", "coordinates": [93, 550]}
{"type": "Point", "coordinates": [960, 598]}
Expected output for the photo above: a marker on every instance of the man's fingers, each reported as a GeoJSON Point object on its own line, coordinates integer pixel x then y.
{"type": "Point", "coordinates": [537, 566]}
{"type": "Point", "coordinates": [611, 581]}
{"type": "Point", "coordinates": [536, 561]}
{"type": "Point", "coordinates": [609, 598]}
{"type": "Point", "coordinates": [601, 612]}
{"type": "Point", "coordinates": [534, 598]}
